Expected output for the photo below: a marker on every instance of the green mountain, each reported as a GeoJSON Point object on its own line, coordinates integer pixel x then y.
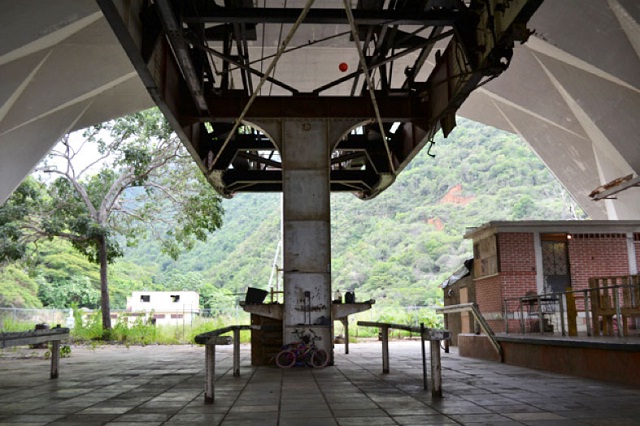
{"type": "Point", "coordinates": [396, 248]}
{"type": "Point", "coordinates": [399, 246]}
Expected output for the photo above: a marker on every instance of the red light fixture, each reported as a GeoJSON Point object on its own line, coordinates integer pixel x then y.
{"type": "Point", "coordinates": [343, 66]}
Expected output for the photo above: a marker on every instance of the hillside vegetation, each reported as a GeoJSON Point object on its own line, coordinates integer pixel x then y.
{"type": "Point", "coordinates": [396, 248]}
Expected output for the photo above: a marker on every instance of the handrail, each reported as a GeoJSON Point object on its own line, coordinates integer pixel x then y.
{"type": "Point", "coordinates": [433, 335]}
{"type": "Point", "coordinates": [208, 337]}
{"type": "Point", "coordinates": [628, 285]}
{"type": "Point", "coordinates": [212, 338]}
{"type": "Point", "coordinates": [484, 325]}
{"type": "Point", "coordinates": [53, 335]}
{"type": "Point", "coordinates": [428, 333]}
{"type": "Point", "coordinates": [19, 338]}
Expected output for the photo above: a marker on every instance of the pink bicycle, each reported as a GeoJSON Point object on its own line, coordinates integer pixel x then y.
{"type": "Point", "coordinates": [303, 352]}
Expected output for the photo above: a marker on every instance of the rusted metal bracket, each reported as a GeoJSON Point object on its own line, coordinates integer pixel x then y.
{"type": "Point", "coordinates": [606, 191]}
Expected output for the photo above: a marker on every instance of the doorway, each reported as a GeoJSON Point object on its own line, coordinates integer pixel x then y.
{"type": "Point", "coordinates": [555, 263]}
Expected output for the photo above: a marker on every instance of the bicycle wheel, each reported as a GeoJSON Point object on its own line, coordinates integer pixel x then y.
{"type": "Point", "coordinates": [319, 358]}
{"type": "Point", "coordinates": [285, 359]}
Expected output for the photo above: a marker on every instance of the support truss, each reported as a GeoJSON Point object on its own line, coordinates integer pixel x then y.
{"type": "Point", "coordinates": [415, 63]}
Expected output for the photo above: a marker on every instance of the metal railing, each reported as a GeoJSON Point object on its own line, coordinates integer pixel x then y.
{"type": "Point", "coordinates": [605, 306]}
{"type": "Point", "coordinates": [10, 317]}
{"type": "Point", "coordinates": [213, 338]}
{"type": "Point", "coordinates": [480, 320]}
{"type": "Point", "coordinates": [434, 336]}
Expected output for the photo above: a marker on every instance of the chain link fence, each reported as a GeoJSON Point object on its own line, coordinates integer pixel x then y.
{"type": "Point", "coordinates": [20, 319]}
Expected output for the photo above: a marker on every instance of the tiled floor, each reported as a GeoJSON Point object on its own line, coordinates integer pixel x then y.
{"type": "Point", "coordinates": [156, 385]}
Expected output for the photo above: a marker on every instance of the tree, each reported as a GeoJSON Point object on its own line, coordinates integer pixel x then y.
{"type": "Point", "coordinates": [77, 290]}
{"type": "Point", "coordinates": [18, 289]}
{"type": "Point", "coordinates": [137, 174]}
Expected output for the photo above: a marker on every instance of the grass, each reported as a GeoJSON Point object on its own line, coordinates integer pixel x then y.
{"type": "Point", "coordinates": [139, 330]}
{"type": "Point", "coordinates": [10, 325]}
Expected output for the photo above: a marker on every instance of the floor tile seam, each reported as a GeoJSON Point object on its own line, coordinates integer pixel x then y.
{"type": "Point", "coordinates": [492, 392]}
{"type": "Point", "coordinates": [149, 399]}
{"type": "Point", "coordinates": [324, 397]}
{"type": "Point", "coordinates": [237, 398]}
{"type": "Point", "coordinates": [380, 379]}
{"type": "Point", "coordinates": [370, 372]}
{"type": "Point", "coordinates": [361, 391]}
{"type": "Point", "coordinates": [68, 399]}
{"type": "Point", "coordinates": [281, 395]}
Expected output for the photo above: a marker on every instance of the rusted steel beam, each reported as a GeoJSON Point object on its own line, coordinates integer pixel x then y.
{"type": "Point", "coordinates": [392, 108]}
{"type": "Point", "coordinates": [267, 15]}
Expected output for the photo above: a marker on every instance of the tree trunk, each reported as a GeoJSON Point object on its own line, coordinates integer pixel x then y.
{"type": "Point", "coordinates": [104, 285]}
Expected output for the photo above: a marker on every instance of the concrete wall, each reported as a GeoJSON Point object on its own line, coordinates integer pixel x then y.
{"type": "Point", "coordinates": [164, 301]}
{"type": "Point", "coordinates": [453, 295]}
{"type": "Point", "coordinates": [600, 361]}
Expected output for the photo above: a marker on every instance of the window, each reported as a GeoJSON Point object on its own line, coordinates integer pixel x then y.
{"type": "Point", "coordinates": [175, 298]}
{"type": "Point", "coordinates": [145, 298]}
{"type": "Point", "coordinates": [485, 257]}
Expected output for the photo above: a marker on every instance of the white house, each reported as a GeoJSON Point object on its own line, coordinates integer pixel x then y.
{"type": "Point", "coordinates": [167, 307]}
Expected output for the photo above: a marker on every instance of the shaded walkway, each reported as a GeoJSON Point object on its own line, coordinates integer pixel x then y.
{"type": "Point", "coordinates": [156, 385]}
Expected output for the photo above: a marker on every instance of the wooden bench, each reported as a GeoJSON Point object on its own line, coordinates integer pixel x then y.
{"type": "Point", "coordinates": [54, 335]}
{"type": "Point", "coordinates": [615, 297]}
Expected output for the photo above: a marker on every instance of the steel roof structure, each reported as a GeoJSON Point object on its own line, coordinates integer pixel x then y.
{"type": "Point", "coordinates": [572, 91]}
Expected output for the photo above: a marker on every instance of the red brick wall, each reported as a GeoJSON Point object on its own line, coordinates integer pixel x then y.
{"type": "Point", "coordinates": [489, 294]}
{"type": "Point", "coordinates": [590, 255]}
{"type": "Point", "coordinates": [489, 299]}
{"type": "Point", "coordinates": [517, 263]}
{"type": "Point", "coordinates": [597, 255]}
{"type": "Point", "coordinates": [517, 266]}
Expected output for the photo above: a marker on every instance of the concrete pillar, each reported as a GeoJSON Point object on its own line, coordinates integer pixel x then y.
{"type": "Point", "coordinates": [306, 228]}
{"type": "Point", "coordinates": [305, 147]}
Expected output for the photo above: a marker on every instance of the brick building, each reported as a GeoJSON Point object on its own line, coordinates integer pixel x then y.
{"type": "Point", "coordinates": [515, 259]}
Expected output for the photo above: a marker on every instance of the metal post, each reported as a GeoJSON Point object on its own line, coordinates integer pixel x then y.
{"type": "Point", "coordinates": [209, 373]}
{"type": "Point", "coordinates": [506, 322]}
{"type": "Point", "coordinates": [540, 322]}
{"type": "Point", "coordinates": [385, 349]}
{"type": "Point", "coordinates": [446, 342]}
{"type": "Point", "coordinates": [424, 357]}
{"type": "Point", "coordinates": [587, 312]}
{"type": "Point", "coordinates": [436, 369]}
{"type": "Point", "coordinates": [521, 317]}
{"type": "Point", "coordinates": [236, 352]}
{"type": "Point", "coordinates": [616, 298]}
{"type": "Point", "coordinates": [55, 358]}
{"type": "Point", "coordinates": [562, 325]}
{"type": "Point", "coordinates": [345, 323]}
